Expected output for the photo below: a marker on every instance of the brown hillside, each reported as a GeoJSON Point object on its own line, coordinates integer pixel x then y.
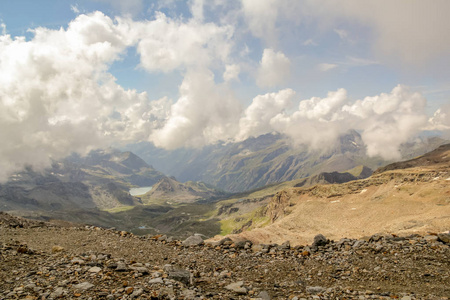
{"type": "Point", "coordinates": [402, 198]}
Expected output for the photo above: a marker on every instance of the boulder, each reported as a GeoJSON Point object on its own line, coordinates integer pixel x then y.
{"type": "Point", "coordinates": [194, 240]}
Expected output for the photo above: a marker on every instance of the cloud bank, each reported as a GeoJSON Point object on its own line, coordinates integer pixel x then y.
{"type": "Point", "coordinates": [57, 94]}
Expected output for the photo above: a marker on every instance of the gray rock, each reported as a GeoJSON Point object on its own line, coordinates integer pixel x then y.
{"type": "Point", "coordinates": [315, 289]}
{"type": "Point", "coordinates": [431, 238]}
{"type": "Point", "coordinates": [58, 292]}
{"type": "Point", "coordinates": [158, 280]}
{"type": "Point", "coordinates": [169, 268]}
{"type": "Point", "coordinates": [182, 276]}
{"type": "Point", "coordinates": [142, 270]}
{"type": "Point", "coordinates": [320, 240]}
{"type": "Point", "coordinates": [84, 286]}
{"type": "Point", "coordinates": [162, 238]}
{"type": "Point", "coordinates": [264, 295]}
{"type": "Point", "coordinates": [444, 238]}
{"type": "Point", "coordinates": [285, 246]}
{"type": "Point", "coordinates": [137, 292]}
{"type": "Point", "coordinates": [220, 242]}
{"type": "Point", "coordinates": [194, 240]}
{"type": "Point", "coordinates": [94, 270]}
{"type": "Point", "coordinates": [237, 287]}
{"type": "Point", "coordinates": [121, 267]}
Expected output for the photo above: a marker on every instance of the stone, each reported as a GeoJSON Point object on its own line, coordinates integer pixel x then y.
{"type": "Point", "coordinates": [57, 249]}
{"type": "Point", "coordinates": [237, 287]}
{"type": "Point", "coordinates": [194, 240]}
{"type": "Point", "coordinates": [162, 238]}
{"type": "Point", "coordinates": [84, 286]}
{"type": "Point", "coordinates": [77, 261]}
{"type": "Point", "coordinates": [315, 289]}
{"type": "Point", "coordinates": [220, 242]}
{"type": "Point", "coordinates": [137, 292]}
{"type": "Point", "coordinates": [142, 270]}
{"type": "Point", "coordinates": [431, 238]}
{"type": "Point", "coordinates": [444, 238]}
{"type": "Point", "coordinates": [94, 270]}
{"type": "Point", "coordinates": [264, 295]}
{"type": "Point", "coordinates": [169, 268]}
{"type": "Point", "coordinates": [156, 281]}
{"type": "Point", "coordinates": [121, 267]}
{"type": "Point", "coordinates": [58, 292]}
{"type": "Point", "coordinates": [285, 246]}
{"type": "Point", "coordinates": [182, 276]}
{"type": "Point", "coordinates": [320, 240]}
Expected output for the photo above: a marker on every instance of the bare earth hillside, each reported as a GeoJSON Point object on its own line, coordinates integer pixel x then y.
{"type": "Point", "coordinates": [402, 198]}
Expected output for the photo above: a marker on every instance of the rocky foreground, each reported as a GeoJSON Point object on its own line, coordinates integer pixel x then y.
{"type": "Point", "coordinates": [41, 260]}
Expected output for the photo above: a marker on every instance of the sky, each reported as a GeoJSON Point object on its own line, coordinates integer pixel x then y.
{"type": "Point", "coordinates": [81, 75]}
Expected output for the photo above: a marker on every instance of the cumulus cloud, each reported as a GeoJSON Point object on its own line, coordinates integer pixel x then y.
{"type": "Point", "coordinates": [261, 16]}
{"type": "Point", "coordinates": [274, 69]}
{"type": "Point", "coordinates": [440, 121]}
{"type": "Point", "coordinates": [385, 121]}
{"type": "Point", "coordinates": [166, 44]}
{"type": "Point", "coordinates": [388, 120]}
{"type": "Point", "coordinates": [205, 113]}
{"type": "Point", "coordinates": [57, 95]}
{"type": "Point", "coordinates": [257, 116]}
{"type": "Point", "coordinates": [318, 122]}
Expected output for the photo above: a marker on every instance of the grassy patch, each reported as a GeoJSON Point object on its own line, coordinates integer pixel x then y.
{"type": "Point", "coordinates": [118, 209]}
{"type": "Point", "coordinates": [258, 218]}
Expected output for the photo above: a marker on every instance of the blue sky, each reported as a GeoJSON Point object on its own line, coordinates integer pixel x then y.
{"type": "Point", "coordinates": [191, 73]}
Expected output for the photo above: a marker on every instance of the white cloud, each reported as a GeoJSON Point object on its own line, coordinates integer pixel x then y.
{"type": "Point", "coordinates": [388, 120]}
{"type": "Point", "coordinates": [196, 7]}
{"type": "Point", "coordinates": [204, 114]}
{"type": "Point", "coordinates": [231, 72]}
{"type": "Point", "coordinates": [261, 16]}
{"type": "Point", "coordinates": [326, 109]}
{"type": "Point", "coordinates": [274, 69]}
{"type": "Point", "coordinates": [75, 9]}
{"type": "Point", "coordinates": [166, 44]}
{"type": "Point", "coordinates": [56, 95]}
{"type": "Point", "coordinates": [326, 67]}
{"type": "Point", "coordinates": [440, 120]}
{"type": "Point", "coordinates": [256, 120]}
{"type": "Point", "coordinates": [385, 121]}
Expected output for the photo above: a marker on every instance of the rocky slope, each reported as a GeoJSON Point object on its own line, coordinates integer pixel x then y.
{"type": "Point", "coordinates": [100, 180]}
{"type": "Point", "coordinates": [169, 190]}
{"type": "Point", "coordinates": [267, 159]}
{"type": "Point", "coordinates": [62, 261]}
{"type": "Point", "coordinates": [408, 197]}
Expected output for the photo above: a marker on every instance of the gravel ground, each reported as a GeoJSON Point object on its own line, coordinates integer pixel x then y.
{"type": "Point", "coordinates": [41, 260]}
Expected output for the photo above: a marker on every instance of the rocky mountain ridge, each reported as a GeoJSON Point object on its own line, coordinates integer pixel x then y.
{"type": "Point", "coordinates": [169, 190]}
{"type": "Point", "coordinates": [268, 159]}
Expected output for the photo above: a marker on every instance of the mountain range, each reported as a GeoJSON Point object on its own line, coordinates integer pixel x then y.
{"type": "Point", "coordinates": [268, 159]}
{"type": "Point", "coordinates": [95, 189]}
